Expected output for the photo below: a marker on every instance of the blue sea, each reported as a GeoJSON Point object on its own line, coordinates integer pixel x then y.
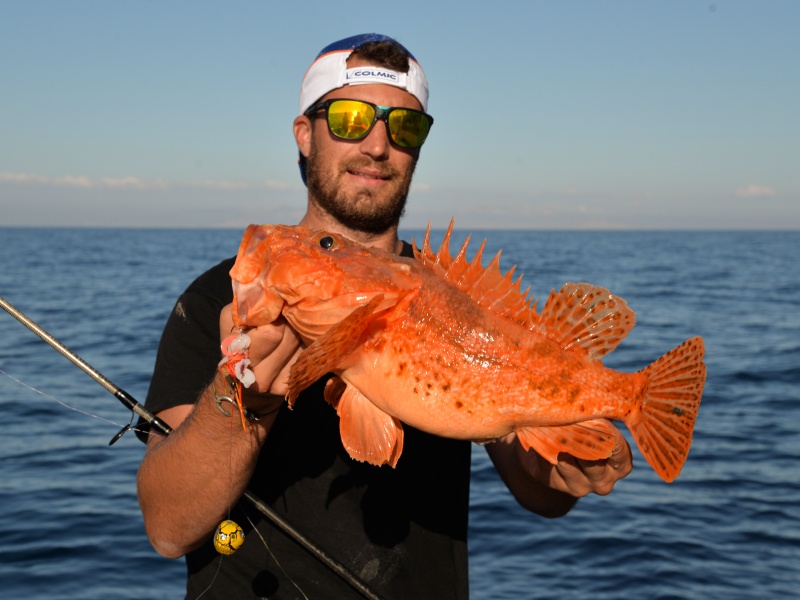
{"type": "Point", "coordinates": [728, 528]}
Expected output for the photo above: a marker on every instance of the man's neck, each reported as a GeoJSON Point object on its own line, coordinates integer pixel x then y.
{"type": "Point", "coordinates": [316, 220]}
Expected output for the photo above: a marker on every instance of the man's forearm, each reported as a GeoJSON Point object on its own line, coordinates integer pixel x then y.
{"type": "Point", "coordinates": [188, 481]}
{"type": "Point", "coordinates": [531, 493]}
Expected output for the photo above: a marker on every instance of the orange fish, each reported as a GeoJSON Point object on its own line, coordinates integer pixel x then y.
{"type": "Point", "coordinates": [454, 348]}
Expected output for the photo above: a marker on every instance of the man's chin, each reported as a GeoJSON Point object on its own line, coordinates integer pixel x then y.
{"type": "Point", "coordinates": [373, 208]}
{"type": "Point", "coordinates": [367, 213]}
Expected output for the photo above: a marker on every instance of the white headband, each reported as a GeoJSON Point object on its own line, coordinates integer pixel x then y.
{"type": "Point", "coordinates": [330, 72]}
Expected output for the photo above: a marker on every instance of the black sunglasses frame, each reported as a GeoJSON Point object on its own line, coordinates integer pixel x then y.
{"type": "Point", "coordinates": [381, 113]}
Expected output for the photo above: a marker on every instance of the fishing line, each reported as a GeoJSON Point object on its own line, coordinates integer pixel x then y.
{"type": "Point", "coordinates": [65, 405]}
{"type": "Point", "coordinates": [277, 562]}
{"type": "Point", "coordinates": [61, 402]}
{"type": "Point", "coordinates": [213, 579]}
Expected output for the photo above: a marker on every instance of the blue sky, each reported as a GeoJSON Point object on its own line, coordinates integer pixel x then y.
{"type": "Point", "coordinates": [569, 115]}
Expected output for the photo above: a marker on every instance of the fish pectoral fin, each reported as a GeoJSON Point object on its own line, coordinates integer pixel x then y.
{"type": "Point", "coordinates": [586, 317]}
{"type": "Point", "coordinates": [330, 350]}
{"type": "Point", "coordinates": [368, 434]}
{"type": "Point", "coordinates": [334, 388]}
{"type": "Point", "coordinates": [587, 440]}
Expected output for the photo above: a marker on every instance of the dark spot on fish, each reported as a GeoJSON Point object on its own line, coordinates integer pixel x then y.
{"type": "Point", "coordinates": [401, 367]}
{"type": "Point", "coordinates": [415, 390]}
{"type": "Point", "coordinates": [677, 411]}
{"type": "Point", "coordinates": [445, 387]}
{"type": "Point", "coordinates": [459, 404]}
{"type": "Point", "coordinates": [573, 394]}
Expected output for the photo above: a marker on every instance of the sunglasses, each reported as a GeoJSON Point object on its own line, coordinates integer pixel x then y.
{"type": "Point", "coordinates": [354, 119]}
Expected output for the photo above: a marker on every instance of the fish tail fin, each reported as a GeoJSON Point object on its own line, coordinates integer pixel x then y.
{"type": "Point", "coordinates": [663, 429]}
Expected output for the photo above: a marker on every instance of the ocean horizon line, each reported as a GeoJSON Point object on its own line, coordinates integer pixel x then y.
{"type": "Point", "coordinates": [423, 227]}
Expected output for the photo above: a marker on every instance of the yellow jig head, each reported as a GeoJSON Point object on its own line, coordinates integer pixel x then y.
{"type": "Point", "coordinates": [228, 538]}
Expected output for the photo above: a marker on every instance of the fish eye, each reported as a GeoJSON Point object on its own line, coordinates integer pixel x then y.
{"type": "Point", "coordinates": [326, 242]}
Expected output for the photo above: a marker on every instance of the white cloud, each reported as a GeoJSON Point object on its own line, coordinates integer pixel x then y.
{"type": "Point", "coordinates": [131, 183]}
{"type": "Point", "coordinates": [21, 178]}
{"type": "Point", "coordinates": [80, 181]}
{"type": "Point", "coordinates": [136, 183]}
{"type": "Point", "coordinates": [68, 181]}
{"type": "Point", "coordinates": [421, 187]}
{"type": "Point", "coordinates": [232, 184]}
{"type": "Point", "coordinates": [756, 191]}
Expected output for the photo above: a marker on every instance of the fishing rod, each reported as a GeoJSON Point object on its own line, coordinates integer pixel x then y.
{"type": "Point", "coordinates": [131, 404]}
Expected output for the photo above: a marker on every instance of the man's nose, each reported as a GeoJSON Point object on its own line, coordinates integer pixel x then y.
{"type": "Point", "coordinates": [376, 144]}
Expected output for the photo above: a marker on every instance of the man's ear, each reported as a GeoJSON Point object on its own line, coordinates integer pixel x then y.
{"type": "Point", "coordinates": [302, 134]}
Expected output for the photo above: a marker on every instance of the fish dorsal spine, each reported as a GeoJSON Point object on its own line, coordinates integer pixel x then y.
{"type": "Point", "coordinates": [581, 317]}
{"type": "Point", "coordinates": [487, 286]}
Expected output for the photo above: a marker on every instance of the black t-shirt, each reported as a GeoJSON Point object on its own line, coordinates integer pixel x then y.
{"type": "Point", "coordinates": [402, 531]}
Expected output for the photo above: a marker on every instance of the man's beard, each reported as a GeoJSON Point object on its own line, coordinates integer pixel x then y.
{"type": "Point", "coordinates": [362, 211]}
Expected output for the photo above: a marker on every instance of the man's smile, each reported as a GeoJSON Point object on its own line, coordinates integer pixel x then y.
{"type": "Point", "coordinates": [369, 176]}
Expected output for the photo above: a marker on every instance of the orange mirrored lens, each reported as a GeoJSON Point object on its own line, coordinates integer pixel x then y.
{"type": "Point", "coordinates": [408, 128]}
{"type": "Point", "coordinates": [350, 119]}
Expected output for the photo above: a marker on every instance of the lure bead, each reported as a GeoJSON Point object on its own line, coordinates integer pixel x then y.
{"type": "Point", "coordinates": [228, 538]}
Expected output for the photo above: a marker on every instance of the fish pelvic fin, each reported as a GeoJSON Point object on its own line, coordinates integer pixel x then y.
{"type": "Point", "coordinates": [585, 317]}
{"type": "Point", "coordinates": [368, 434]}
{"type": "Point", "coordinates": [487, 286]}
{"type": "Point", "coordinates": [331, 349]}
{"type": "Point", "coordinates": [587, 440]}
{"type": "Point", "coordinates": [663, 429]}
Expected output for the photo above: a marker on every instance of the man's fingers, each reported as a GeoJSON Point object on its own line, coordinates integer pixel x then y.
{"type": "Point", "coordinates": [273, 348]}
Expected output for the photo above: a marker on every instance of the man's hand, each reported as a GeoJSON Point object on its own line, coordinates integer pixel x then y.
{"type": "Point", "coordinates": [273, 350]}
{"type": "Point", "coordinates": [552, 490]}
{"type": "Point", "coordinates": [580, 477]}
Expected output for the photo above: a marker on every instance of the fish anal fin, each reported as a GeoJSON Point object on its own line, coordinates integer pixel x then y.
{"type": "Point", "coordinates": [586, 318]}
{"type": "Point", "coordinates": [368, 434]}
{"type": "Point", "coordinates": [487, 286]}
{"type": "Point", "coordinates": [587, 440]}
{"type": "Point", "coordinates": [663, 428]}
{"type": "Point", "coordinates": [331, 350]}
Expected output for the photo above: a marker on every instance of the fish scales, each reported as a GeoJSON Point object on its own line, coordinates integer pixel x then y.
{"type": "Point", "coordinates": [456, 349]}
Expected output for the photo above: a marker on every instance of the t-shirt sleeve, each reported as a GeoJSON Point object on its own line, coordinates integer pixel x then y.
{"type": "Point", "coordinates": [188, 353]}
